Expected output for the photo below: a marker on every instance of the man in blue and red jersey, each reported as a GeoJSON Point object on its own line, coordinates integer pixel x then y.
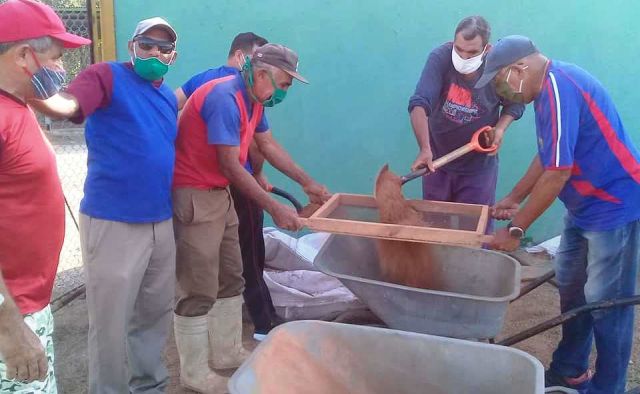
{"type": "Point", "coordinates": [250, 215]}
{"type": "Point", "coordinates": [32, 40]}
{"type": "Point", "coordinates": [586, 159]}
{"type": "Point", "coordinates": [216, 127]}
{"type": "Point", "coordinates": [126, 230]}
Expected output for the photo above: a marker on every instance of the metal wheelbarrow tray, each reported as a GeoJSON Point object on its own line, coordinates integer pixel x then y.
{"type": "Point", "coordinates": [313, 357]}
{"type": "Point", "coordinates": [471, 303]}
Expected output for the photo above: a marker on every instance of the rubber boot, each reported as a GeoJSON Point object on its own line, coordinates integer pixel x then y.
{"type": "Point", "coordinates": [192, 340]}
{"type": "Point", "coordinates": [225, 333]}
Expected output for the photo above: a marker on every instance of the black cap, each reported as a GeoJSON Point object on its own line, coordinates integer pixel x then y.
{"type": "Point", "coordinates": [506, 51]}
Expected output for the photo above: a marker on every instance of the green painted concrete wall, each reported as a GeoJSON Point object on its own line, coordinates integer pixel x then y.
{"type": "Point", "coordinates": [363, 59]}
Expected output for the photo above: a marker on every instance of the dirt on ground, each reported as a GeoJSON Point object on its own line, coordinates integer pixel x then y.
{"type": "Point", "coordinates": [541, 304]}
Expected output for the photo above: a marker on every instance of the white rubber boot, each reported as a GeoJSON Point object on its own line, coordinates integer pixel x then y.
{"type": "Point", "coordinates": [225, 333]}
{"type": "Point", "coordinates": [192, 340]}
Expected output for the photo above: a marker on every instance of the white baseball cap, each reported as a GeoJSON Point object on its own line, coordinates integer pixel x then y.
{"type": "Point", "coordinates": [145, 25]}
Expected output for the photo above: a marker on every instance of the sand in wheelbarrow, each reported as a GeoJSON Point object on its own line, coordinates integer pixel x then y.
{"type": "Point", "coordinates": [404, 263]}
{"type": "Point", "coordinates": [329, 369]}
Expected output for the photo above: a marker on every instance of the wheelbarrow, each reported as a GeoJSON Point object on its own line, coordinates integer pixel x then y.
{"type": "Point", "coordinates": [476, 286]}
{"type": "Point", "coordinates": [315, 357]}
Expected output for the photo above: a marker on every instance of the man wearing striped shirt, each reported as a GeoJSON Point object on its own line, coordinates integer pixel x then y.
{"type": "Point", "coordinates": [586, 159]}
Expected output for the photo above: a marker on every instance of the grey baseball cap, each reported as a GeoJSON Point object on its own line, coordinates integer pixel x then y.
{"type": "Point", "coordinates": [506, 51]}
{"type": "Point", "coordinates": [281, 57]}
{"type": "Point", "coordinates": [147, 24]}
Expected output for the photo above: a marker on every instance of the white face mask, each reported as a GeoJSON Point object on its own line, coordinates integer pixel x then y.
{"type": "Point", "coordinates": [466, 66]}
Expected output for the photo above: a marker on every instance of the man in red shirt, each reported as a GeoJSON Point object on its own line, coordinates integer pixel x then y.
{"type": "Point", "coordinates": [32, 38]}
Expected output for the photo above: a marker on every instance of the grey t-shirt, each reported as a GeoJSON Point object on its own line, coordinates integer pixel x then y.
{"type": "Point", "coordinates": [456, 109]}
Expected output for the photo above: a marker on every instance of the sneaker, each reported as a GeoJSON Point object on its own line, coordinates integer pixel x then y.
{"type": "Point", "coordinates": [578, 383]}
{"type": "Point", "coordinates": [259, 336]}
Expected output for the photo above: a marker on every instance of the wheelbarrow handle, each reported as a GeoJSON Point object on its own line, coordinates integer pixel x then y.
{"type": "Point", "coordinates": [279, 192]}
{"type": "Point", "coordinates": [567, 316]}
{"type": "Point", "coordinates": [472, 146]}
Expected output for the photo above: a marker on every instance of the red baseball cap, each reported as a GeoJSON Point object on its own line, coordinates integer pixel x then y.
{"type": "Point", "coordinates": [27, 19]}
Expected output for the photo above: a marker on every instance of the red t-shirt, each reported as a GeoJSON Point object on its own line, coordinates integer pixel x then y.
{"type": "Point", "coordinates": [32, 203]}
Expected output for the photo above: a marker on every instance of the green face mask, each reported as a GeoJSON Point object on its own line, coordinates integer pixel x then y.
{"type": "Point", "coordinates": [278, 94]}
{"type": "Point", "coordinates": [150, 68]}
{"type": "Point", "coordinates": [503, 89]}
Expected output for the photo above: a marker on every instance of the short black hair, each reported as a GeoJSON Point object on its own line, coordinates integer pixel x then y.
{"type": "Point", "coordinates": [246, 42]}
{"type": "Point", "coordinates": [473, 26]}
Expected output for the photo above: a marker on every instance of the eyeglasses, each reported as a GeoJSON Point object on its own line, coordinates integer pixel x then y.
{"type": "Point", "coordinates": [147, 44]}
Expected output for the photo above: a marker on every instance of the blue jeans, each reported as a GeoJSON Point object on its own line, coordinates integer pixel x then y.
{"type": "Point", "coordinates": [595, 266]}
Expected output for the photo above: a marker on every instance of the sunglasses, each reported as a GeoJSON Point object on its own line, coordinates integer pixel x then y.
{"type": "Point", "coordinates": [147, 44]}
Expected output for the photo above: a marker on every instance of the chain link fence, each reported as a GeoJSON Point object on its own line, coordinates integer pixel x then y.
{"type": "Point", "coordinates": [77, 20]}
{"type": "Point", "coordinates": [69, 144]}
{"type": "Point", "coordinates": [71, 154]}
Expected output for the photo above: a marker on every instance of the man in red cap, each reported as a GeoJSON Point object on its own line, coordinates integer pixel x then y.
{"type": "Point", "coordinates": [32, 39]}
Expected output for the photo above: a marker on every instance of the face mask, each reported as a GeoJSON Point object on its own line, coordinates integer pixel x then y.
{"type": "Point", "coordinates": [150, 68]}
{"type": "Point", "coordinates": [246, 66]}
{"type": "Point", "coordinates": [242, 63]}
{"type": "Point", "coordinates": [46, 81]}
{"type": "Point", "coordinates": [466, 66]}
{"type": "Point", "coordinates": [503, 89]}
{"type": "Point", "coordinates": [278, 94]}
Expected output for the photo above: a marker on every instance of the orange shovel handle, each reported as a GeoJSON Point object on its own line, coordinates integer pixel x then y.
{"type": "Point", "coordinates": [475, 141]}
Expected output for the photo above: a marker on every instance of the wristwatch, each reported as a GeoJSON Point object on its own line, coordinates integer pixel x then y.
{"type": "Point", "coordinates": [515, 231]}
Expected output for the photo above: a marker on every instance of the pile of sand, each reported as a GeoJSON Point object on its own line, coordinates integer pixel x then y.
{"type": "Point", "coordinates": [329, 369]}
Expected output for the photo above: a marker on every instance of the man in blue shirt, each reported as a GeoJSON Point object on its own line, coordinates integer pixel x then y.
{"type": "Point", "coordinates": [126, 229]}
{"type": "Point", "coordinates": [250, 215]}
{"type": "Point", "coordinates": [586, 159]}
{"type": "Point", "coordinates": [446, 110]}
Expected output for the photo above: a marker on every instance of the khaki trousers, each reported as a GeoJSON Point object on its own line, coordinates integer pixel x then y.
{"type": "Point", "coordinates": [208, 259]}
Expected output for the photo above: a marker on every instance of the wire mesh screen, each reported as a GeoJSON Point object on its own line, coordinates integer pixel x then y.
{"type": "Point", "coordinates": [77, 20]}
{"type": "Point", "coordinates": [444, 220]}
{"type": "Point", "coordinates": [68, 139]}
{"type": "Point", "coordinates": [75, 16]}
{"type": "Point", "coordinates": [71, 155]}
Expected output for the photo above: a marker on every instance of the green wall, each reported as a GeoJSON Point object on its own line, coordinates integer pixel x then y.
{"type": "Point", "coordinates": [363, 59]}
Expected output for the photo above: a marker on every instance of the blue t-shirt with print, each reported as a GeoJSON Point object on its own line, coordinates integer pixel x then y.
{"type": "Point", "coordinates": [456, 110]}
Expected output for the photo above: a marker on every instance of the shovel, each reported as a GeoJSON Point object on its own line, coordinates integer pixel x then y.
{"type": "Point", "coordinates": [472, 146]}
